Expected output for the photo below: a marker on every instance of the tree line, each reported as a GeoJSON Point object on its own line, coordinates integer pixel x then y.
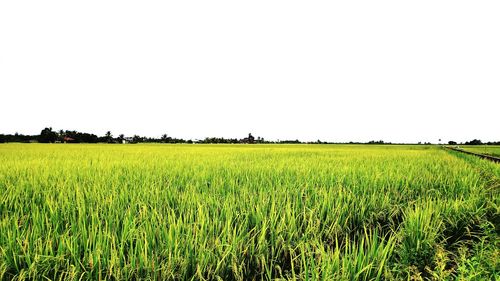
{"type": "Point", "coordinates": [475, 142]}
{"type": "Point", "coordinates": [48, 135]}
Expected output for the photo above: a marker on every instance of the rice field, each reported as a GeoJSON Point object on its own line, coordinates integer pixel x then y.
{"type": "Point", "coordinates": [246, 212]}
{"type": "Point", "coordinates": [493, 150]}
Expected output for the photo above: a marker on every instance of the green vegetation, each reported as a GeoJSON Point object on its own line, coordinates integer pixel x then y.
{"type": "Point", "coordinates": [243, 212]}
{"type": "Point", "coordinates": [493, 150]}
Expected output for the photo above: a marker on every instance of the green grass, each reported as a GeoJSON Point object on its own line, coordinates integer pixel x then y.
{"type": "Point", "coordinates": [493, 150]}
{"type": "Point", "coordinates": [243, 212]}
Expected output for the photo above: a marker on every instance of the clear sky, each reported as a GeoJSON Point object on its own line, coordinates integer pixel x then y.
{"type": "Point", "coordinates": [401, 71]}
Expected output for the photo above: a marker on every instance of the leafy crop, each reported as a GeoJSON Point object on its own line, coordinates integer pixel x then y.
{"type": "Point", "coordinates": [492, 150]}
{"type": "Point", "coordinates": [245, 212]}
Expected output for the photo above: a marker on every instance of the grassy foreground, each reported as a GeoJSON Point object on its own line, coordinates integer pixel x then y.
{"type": "Point", "coordinates": [244, 212]}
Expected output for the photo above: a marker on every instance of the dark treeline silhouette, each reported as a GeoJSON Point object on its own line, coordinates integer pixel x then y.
{"type": "Point", "coordinates": [17, 138]}
{"type": "Point", "coordinates": [48, 135]}
{"type": "Point", "coordinates": [475, 142]}
{"type": "Point", "coordinates": [377, 142]}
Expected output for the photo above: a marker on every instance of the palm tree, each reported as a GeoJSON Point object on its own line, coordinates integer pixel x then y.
{"type": "Point", "coordinates": [109, 136]}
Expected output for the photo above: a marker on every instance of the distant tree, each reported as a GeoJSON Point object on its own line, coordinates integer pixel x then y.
{"type": "Point", "coordinates": [109, 137]}
{"type": "Point", "coordinates": [289, 141]}
{"type": "Point", "coordinates": [166, 139]}
{"type": "Point", "coordinates": [60, 135]}
{"type": "Point", "coordinates": [251, 139]}
{"type": "Point", "coordinates": [136, 139]}
{"type": "Point", "coordinates": [47, 135]}
{"type": "Point", "coordinates": [474, 142]}
{"type": "Point", "coordinates": [121, 138]}
{"type": "Point", "coordinates": [452, 143]}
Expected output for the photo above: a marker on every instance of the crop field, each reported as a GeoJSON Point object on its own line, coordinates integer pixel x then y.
{"type": "Point", "coordinates": [247, 212]}
{"type": "Point", "coordinates": [493, 150]}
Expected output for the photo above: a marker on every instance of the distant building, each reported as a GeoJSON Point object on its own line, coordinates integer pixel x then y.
{"type": "Point", "coordinates": [68, 139]}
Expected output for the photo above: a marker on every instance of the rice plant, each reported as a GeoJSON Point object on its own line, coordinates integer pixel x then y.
{"type": "Point", "coordinates": [244, 212]}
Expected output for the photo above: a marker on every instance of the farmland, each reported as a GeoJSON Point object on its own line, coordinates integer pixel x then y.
{"type": "Point", "coordinates": [493, 150]}
{"type": "Point", "coordinates": [243, 212]}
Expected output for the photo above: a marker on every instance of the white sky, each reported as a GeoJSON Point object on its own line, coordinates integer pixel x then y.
{"type": "Point", "coordinates": [401, 71]}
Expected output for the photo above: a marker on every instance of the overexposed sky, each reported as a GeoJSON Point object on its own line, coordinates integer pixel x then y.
{"type": "Point", "coordinates": [401, 71]}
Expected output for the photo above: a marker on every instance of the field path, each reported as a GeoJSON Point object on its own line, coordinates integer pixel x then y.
{"type": "Point", "coordinates": [484, 156]}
